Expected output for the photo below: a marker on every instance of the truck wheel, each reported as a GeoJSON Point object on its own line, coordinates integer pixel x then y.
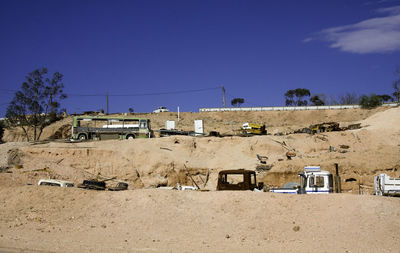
{"type": "Point", "coordinates": [130, 137]}
{"type": "Point", "coordinates": [82, 137]}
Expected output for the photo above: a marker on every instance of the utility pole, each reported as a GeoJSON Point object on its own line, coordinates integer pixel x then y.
{"type": "Point", "coordinates": [107, 101]}
{"type": "Point", "coordinates": [223, 96]}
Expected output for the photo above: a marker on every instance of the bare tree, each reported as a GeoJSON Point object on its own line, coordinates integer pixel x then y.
{"type": "Point", "coordinates": [349, 98]}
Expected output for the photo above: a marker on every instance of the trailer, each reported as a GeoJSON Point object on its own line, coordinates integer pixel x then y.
{"type": "Point", "coordinates": [386, 186]}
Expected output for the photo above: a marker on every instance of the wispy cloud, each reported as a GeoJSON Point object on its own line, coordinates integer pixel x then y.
{"type": "Point", "coordinates": [375, 35]}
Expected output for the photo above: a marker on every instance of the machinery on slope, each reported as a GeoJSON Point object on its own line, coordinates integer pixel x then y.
{"type": "Point", "coordinates": [252, 128]}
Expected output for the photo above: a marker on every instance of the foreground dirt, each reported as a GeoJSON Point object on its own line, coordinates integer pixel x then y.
{"type": "Point", "coordinates": [49, 219]}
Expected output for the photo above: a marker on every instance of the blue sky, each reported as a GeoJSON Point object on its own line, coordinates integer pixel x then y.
{"type": "Point", "coordinates": [152, 52]}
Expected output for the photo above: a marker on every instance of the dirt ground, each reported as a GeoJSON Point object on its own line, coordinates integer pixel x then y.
{"type": "Point", "coordinates": [45, 219]}
{"type": "Point", "coordinates": [145, 219]}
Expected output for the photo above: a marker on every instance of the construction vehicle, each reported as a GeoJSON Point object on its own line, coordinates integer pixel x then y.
{"type": "Point", "coordinates": [238, 180]}
{"type": "Point", "coordinates": [325, 127]}
{"type": "Point", "coordinates": [251, 128]}
{"type": "Point", "coordinates": [386, 186]}
{"type": "Point", "coordinates": [313, 180]}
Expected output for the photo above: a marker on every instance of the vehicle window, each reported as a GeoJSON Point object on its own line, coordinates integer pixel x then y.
{"type": "Point", "coordinates": [50, 184]}
{"type": "Point", "coordinates": [311, 182]}
{"type": "Point", "coordinates": [234, 178]}
{"type": "Point", "coordinates": [253, 178]}
{"type": "Point", "coordinates": [319, 181]}
{"type": "Point", "coordinates": [142, 124]}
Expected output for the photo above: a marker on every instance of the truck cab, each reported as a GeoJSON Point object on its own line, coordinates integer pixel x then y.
{"type": "Point", "coordinates": [237, 180]}
{"type": "Point", "coordinates": [313, 180]}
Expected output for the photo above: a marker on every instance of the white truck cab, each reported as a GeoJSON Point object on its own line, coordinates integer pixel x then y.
{"type": "Point", "coordinates": [315, 181]}
{"type": "Point", "coordinates": [312, 181]}
{"type": "Point", "coordinates": [386, 186]}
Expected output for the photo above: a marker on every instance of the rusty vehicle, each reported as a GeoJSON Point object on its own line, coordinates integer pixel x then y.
{"type": "Point", "coordinates": [238, 180]}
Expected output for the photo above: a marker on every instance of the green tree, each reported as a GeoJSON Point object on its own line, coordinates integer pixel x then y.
{"type": "Point", "coordinates": [300, 94]}
{"type": "Point", "coordinates": [396, 86]}
{"type": "Point", "coordinates": [2, 126]}
{"type": "Point", "coordinates": [315, 100]}
{"type": "Point", "coordinates": [369, 102]}
{"type": "Point", "coordinates": [37, 103]}
{"type": "Point", "coordinates": [289, 98]}
{"type": "Point", "coordinates": [385, 97]}
{"type": "Point", "coordinates": [237, 101]}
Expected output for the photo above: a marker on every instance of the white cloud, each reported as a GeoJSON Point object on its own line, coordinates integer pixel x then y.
{"type": "Point", "coordinates": [308, 39]}
{"type": "Point", "coordinates": [391, 10]}
{"type": "Point", "coordinates": [375, 35]}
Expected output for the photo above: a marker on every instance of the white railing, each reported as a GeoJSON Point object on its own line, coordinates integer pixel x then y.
{"type": "Point", "coordinates": [286, 108]}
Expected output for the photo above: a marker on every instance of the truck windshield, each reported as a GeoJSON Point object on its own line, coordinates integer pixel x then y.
{"type": "Point", "coordinates": [316, 181]}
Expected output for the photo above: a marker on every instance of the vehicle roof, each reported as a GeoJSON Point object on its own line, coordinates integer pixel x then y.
{"type": "Point", "coordinates": [238, 171]}
{"type": "Point", "coordinates": [55, 181]}
{"type": "Point", "coordinates": [322, 172]}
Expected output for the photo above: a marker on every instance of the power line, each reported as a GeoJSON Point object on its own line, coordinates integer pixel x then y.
{"type": "Point", "coordinates": [145, 94]}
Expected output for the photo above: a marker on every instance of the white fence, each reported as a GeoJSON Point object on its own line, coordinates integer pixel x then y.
{"type": "Point", "coordinates": [285, 108]}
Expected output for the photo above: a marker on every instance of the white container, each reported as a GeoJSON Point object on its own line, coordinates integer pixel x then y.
{"type": "Point", "coordinates": [170, 124]}
{"type": "Point", "coordinates": [198, 127]}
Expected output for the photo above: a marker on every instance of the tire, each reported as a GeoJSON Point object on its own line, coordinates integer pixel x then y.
{"type": "Point", "coordinates": [82, 137]}
{"type": "Point", "coordinates": [130, 137]}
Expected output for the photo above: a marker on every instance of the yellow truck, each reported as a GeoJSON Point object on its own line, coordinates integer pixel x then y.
{"type": "Point", "coordinates": [252, 128]}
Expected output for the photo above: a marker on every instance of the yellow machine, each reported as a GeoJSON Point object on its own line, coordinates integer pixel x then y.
{"type": "Point", "coordinates": [251, 128]}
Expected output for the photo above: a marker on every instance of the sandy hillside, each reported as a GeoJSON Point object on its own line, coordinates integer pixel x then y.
{"type": "Point", "coordinates": [144, 219]}
{"type": "Point", "coordinates": [147, 163]}
{"type": "Point", "coordinates": [223, 122]}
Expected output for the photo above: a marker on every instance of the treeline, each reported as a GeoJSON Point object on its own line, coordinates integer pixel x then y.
{"type": "Point", "coordinates": [303, 97]}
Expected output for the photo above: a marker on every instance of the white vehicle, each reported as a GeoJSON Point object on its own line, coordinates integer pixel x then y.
{"type": "Point", "coordinates": [161, 109]}
{"type": "Point", "coordinates": [59, 183]}
{"type": "Point", "coordinates": [386, 186]}
{"type": "Point", "coordinates": [312, 181]}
